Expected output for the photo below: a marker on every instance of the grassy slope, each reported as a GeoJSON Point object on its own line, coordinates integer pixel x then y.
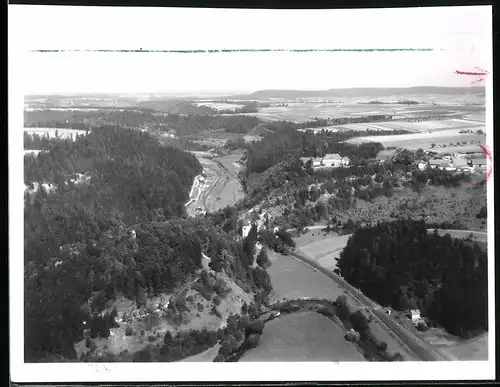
{"type": "Point", "coordinates": [194, 319]}
{"type": "Point", "coordinates": [437, 204]}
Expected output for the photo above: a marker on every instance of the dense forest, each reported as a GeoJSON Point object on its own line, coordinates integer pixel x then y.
{"type": "Point", "coordinates": [120, 231]}
{"type": "Point", "coordinates": [283, 144]}
{"type": "Point", "coordinates": [402, 265]}
{"type": "Point", "coordinates": [179, 123]}
{"type": "Point", "coordinates": [131, 179]}
{"type": "Point", "coordinates": [45, 141]}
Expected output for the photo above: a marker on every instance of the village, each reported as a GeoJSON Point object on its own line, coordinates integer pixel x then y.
{"type": "Point", "coordinates": [456, 162]}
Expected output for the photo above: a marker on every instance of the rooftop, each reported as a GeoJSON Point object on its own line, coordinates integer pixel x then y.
{"type": "Point", "coordinates": [439, 162]}
{"type": "Point", "coordinates": [460, 162]}
{"type": "Point", "coordinates": [332, 156]}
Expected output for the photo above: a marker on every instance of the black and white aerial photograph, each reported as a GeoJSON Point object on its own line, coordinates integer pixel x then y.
{"type": "Point", "coordinates": [318, 195]}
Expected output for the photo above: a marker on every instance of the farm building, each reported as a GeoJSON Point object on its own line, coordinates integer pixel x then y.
{"type": "Point", "coordinates": [335, 160]}
{"type": "Point", "coordinates": [328, 161]}
{"type": "Point", "coordinates": [415, 314]}
{"type": "Point", "coordinates": [439, 163]}
{"type": "Point", "coordinates": [461, 165]}
{"type": "Point", "coordinates": [477, 162]}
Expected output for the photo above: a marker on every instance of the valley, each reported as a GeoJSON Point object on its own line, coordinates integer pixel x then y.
{"type": "Point", "coordinates": [231, 186]}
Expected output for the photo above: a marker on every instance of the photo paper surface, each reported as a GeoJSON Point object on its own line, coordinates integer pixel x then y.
{"type": "Point", "coordinates": [315, 196]}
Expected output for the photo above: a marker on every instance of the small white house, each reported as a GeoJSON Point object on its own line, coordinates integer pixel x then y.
{"type": "Point", "coordinates": [246, 230]}
{"type": "Point", "coordinates": [422, 166]}
{"type": "Point", "coordinates": [335, 160]}
{"type": "Point", "coordinates": [415, 315]}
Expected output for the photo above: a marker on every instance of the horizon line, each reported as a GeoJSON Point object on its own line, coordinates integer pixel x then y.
{"type": "Point", "coordinates": [250, 92]}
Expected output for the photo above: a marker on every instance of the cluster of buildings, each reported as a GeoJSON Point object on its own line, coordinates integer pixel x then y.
{"type": "Point", "coordinates": [457, 163]}
{"type": "Point", "coordinates": [331, 160]}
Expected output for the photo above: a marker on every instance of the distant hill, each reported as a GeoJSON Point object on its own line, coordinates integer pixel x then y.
{"type": "Point", "coordinates": [360, 92]}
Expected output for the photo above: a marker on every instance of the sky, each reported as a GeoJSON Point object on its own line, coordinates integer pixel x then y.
{"type": "Point", "coordinates": [459, 36]}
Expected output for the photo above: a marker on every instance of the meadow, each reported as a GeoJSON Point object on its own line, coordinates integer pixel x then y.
{"type": "Point", "coordinates": [327, 250]}
{"type": "Point", "coordinates": [304, 111]}
{"type": "Point", "coordinates": [294, 279]}
{"type": "Point", "coordinates": [424, 140]}
{"type": "Point", "coordinates": [423, 126]}
{"type": "Point", "coordinates": [303, 336]}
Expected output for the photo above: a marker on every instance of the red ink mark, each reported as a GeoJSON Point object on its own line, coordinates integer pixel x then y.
{"type": "Point", "coordinates": [481, 73]}
{"type": "Point", "coordinates": [486, 150]}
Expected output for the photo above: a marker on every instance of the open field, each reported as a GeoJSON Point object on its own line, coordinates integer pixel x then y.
{"type": "Point", "coordinates": [51, 132]}
{"type": "Point", "coordinates": [292, 278]}
{"type": "Point", "coordinates": [422, 126]}
{"type": "Point", "coordinates": [303, 336]}
{"type": "Point", "coordinates": [304, 111]}
{"type": "Point", "coordinates": [220, 105]}
{"type": "Point", "coordinates": [327, 251]}
{"type": "Point", "coordinates": [422, 140]}
{"type": "Point", "coordinates": [472, 349]}
{"type": "Point", "coordinates": [473, 148]}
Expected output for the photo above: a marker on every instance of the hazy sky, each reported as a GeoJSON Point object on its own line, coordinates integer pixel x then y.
{"type": "Point", "coordinates": [460, 37]}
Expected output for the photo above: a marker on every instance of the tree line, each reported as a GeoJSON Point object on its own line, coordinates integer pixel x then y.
{"type": "Point", "coordinates": [400, 264]}
{"type": "Point", "coordinates": [282, 144]}
{"type": "Point", "coordinates": [175, 121]}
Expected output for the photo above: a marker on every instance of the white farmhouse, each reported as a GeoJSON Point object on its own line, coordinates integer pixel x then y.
{"type": "Point", "coordinates": [415, 315]}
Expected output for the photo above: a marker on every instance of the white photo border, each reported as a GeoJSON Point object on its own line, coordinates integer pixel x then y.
{"type": "Point", "coordinates": [176, 372]}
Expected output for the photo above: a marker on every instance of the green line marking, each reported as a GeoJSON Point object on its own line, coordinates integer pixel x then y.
{"type": "Point", "coordinates": [216, 51]}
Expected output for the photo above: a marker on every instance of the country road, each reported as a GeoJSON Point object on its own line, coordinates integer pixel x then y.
{"type": "Point", "coordinates": [422, 350]}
